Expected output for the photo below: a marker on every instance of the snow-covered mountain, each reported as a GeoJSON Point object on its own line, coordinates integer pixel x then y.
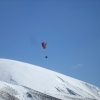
{"type": "Point", "coordinates": [23, 81]}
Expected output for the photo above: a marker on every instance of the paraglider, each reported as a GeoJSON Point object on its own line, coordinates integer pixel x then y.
{"type": "Point", "coordinates": [44, 46]}
{"type": "Point", "coordinates": [46, 57]}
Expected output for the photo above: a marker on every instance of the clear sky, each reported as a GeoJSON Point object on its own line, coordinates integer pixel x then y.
{"type": "Point", "coordinates": [71, 29]}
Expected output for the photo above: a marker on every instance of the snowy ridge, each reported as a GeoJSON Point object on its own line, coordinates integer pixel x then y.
{"type": "Point", "coordinates": [46, 81]}
{"type": "Point", "coordinates": [15, 92]}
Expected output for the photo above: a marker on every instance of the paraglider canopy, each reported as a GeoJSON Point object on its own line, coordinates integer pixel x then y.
{"type": "Point", "coordinates": [44, 45]}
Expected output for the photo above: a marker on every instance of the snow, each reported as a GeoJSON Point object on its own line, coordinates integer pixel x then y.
{"type": "Point", "coordinates": [44, 80]}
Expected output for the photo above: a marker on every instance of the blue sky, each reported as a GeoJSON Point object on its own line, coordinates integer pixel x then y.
{"type": "Point", "coordinates": [71, 29]}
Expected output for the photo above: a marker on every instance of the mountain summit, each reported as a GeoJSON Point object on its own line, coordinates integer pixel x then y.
{"type": "Point", "coordinates": [24, 77]}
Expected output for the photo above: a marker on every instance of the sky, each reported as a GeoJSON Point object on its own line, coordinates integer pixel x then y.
{"type": "Point", "coordinates": [71, 29]}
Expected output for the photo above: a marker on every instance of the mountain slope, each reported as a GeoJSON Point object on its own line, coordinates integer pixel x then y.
{"type": "Point", "coordinates": [46, 81]}
{"type": "Point", "coordinates": [16, 92]}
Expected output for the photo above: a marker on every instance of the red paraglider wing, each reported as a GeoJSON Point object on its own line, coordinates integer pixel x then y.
{"type": "Point", "coordinates": [43, 44]}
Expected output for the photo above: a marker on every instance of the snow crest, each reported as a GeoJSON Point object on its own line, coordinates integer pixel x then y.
{"type": "Point", "coordinates": [46, 81]}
